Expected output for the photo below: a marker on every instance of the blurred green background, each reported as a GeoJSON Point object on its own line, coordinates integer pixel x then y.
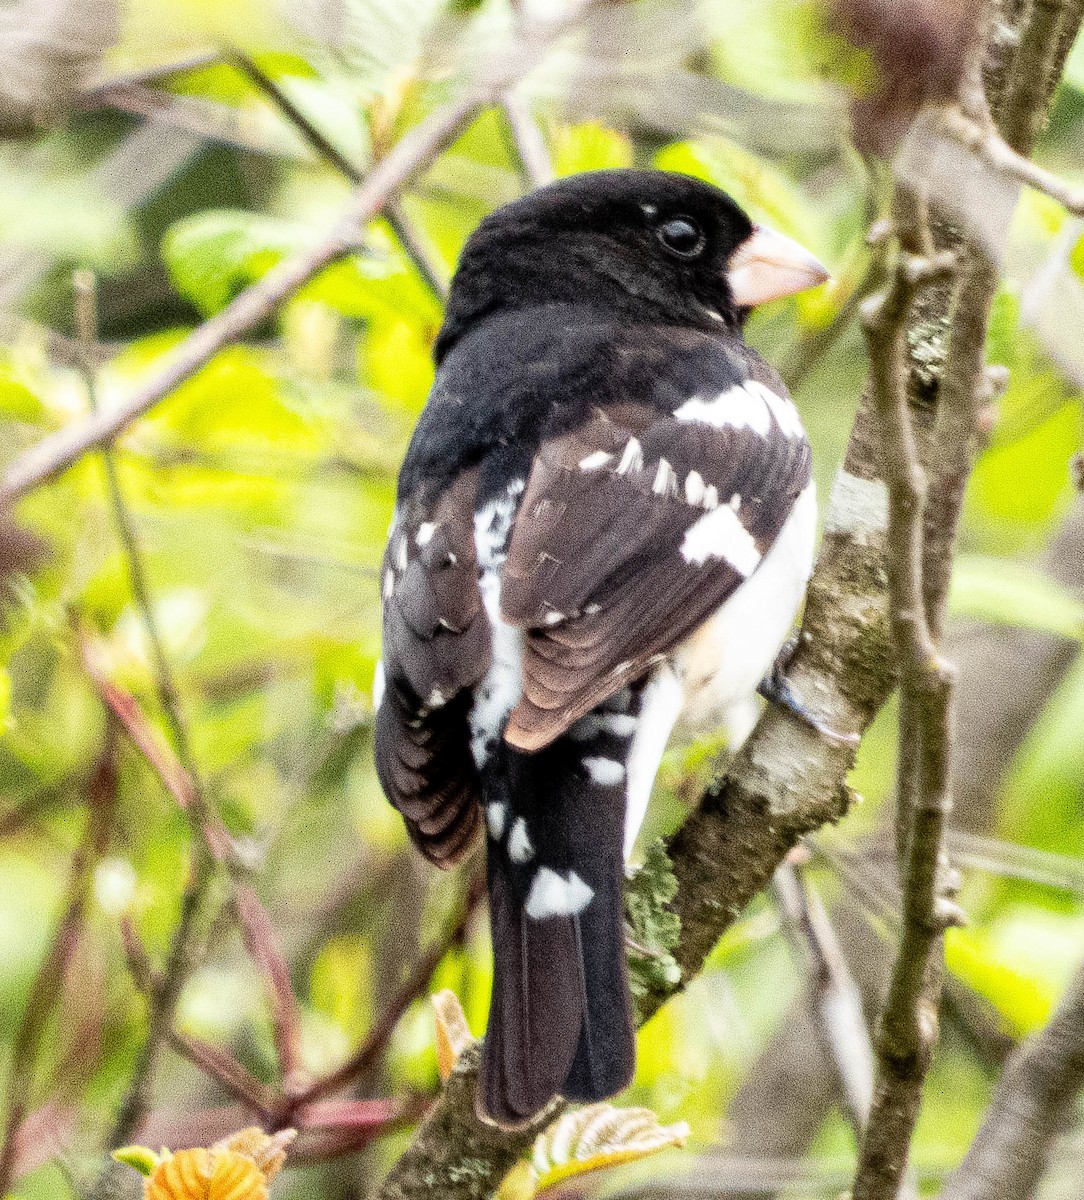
{"type": "Point", "coordinates": [261, 491]}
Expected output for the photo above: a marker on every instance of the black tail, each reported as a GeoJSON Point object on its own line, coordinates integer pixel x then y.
{"type": "Point", "coordinates": [560, 1021]}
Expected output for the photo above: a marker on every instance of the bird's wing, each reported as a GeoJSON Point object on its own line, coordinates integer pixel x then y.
{"type": "Point", "coordinates": [633, 529]}
{"type": "Point", "coordinates": [436, 647]}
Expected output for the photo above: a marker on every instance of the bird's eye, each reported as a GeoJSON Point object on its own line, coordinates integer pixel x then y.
{"type": "Point", "coordinates": [681, 236]}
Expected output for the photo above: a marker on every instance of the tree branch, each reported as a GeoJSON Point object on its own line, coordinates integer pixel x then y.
{"type": "Point", "coordinates": [44, 992]}
{"type": "Point", "coordinates": [841, 1023]}
{"type": "Point", "coordinates": [1032, 1106]}
{"type": "Point", "coordinates": [409, 238]}
{"type": "Point", "coordinates": [908, 1026]}
{"type": "Point", "coordinates": [412, 154]}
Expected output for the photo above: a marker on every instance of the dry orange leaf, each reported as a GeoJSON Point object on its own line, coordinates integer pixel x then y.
{"type": "Point", "coordinates": [207, 1175]}
{"type": "Point", "coordinates": [453, 1032]}
{"type": "Point", "coordinates": [237, 1168]}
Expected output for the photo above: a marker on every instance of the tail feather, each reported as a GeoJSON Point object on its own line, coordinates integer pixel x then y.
{"type": "Point", "coordinates": [606, 1050]}
{"type": "Point", "coordinates": [560, 1020]}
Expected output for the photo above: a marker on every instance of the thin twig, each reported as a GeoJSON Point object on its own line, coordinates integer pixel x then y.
{"type": "Point", "coordinates": [262, 945]}
{"type": "Point", "coordinates": [908, 1025]}
{"type": "Point", "coordinates": [409, 237]}
{"type": "Point", "coordinates": [147, 76]}
{"type": "Point", "coordinates": [178, 774]}
{"type": "Point", "coordinates": [534, 155]}
{"type": "Point", "coordinates": [991, 148]}
{"type": "Point", "coordinates": [236, 1079]}
{"type": "Point", "coordinates": [362, 1061]}
{"type": "Point", "coordinates": [841, 1020]}
{"type": "Point", "coordinates": [46, 988]}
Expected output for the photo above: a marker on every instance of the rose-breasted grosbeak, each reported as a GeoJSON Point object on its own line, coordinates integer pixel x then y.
{"type": "Point", "coordinates": [605, 525]}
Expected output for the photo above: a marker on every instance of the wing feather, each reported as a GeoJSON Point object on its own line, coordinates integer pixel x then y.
{"type": "Point", "coordinates": [620, 548]}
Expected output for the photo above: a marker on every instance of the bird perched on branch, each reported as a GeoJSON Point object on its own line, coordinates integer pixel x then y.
{"type": "Point", "coordinates": [605, 525]}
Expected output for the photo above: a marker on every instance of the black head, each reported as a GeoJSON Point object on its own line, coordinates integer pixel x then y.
{"type": "Point", "coordinates": [647, 246]}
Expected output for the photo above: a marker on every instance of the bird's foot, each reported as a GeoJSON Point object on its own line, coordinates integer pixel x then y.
{"type": "Point", "coordinates": [777, 689]}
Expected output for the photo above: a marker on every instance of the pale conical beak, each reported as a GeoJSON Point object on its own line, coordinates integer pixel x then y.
{"type": "Point", "coordinates": [768, 266]}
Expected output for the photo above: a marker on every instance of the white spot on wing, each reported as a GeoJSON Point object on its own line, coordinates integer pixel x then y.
{"type": "Point", "coordinates": [619, 724]}
{"type": "Point", "coordinates": [500, 690]}
{"type": "Point", "coordinates": [425, 533]}
{"type": "Point", "coordinates": [552, 895]}
{"type": "Point", "coordinates": [632, 459]}
{"type": "Point", "coordinates": [605, 771]}
{"type": "Point", "coordinates": [665, 478]}
{"type": "Point", "coordinates": [520, 849]}
{"type": "Point", "coordinates": [593, 461]}
{"type": "Point", "coordinates": [496, 814]}
{"type": "Point", "coordinates": [720, 534]}
{"type": "Point", "coordinates": [786, 415]}
{"type": "Point", "coordinates": [389, 584]}
{"type": "Point", "coordinates": [694, 487]}
{"type": "Point", "coordinates": [739, 407]}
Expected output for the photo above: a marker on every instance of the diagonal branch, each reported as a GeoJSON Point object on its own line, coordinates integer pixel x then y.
{"type": "Point", "coordinates": [411, 155]}
{"type": "Point", "coordinates": [1032, 1106]}
{"type": "Point", "coordinates": [409, 238]}
{"type": "Point", "coordinates": [841, 1023]}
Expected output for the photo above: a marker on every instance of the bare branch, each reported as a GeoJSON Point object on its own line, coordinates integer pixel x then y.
{"type": "Point", "coordinates": [529, 142]}
{"type": "Point", "coordinates": [838, 1002]}
{"type": "Point", "coordinates": [262, 945]}
{"type": "Point", "coordinates": [908, 1026]}
{"type": "Point", "coordinates": [367, 1055]}
{"type": "Point", "coordinates": [44, 991]}
{"type": "Point", "coordinates": [1032, 1106]}
{"type": "Point", "coordinates": [984, 141]}
{"type": "Point", "coordinates": [178, 774]}
{"type": "Point", "coordinates": [235, 1079]}
{"type": "Point", "coordinates": [415, 151]}
{"type": "Point", "coordinates": [409, 238]}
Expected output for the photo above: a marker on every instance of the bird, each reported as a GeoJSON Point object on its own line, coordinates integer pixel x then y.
{"type": "Point", "coordinates": [604, 527]}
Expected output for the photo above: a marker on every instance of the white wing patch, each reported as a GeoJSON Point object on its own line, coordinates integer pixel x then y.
{"type": "Point", "coordinates": [786, 415]}
{"type": "Point", "coordinates": [554, 895]}
{"type": "Point", "coordinates": [748, 405]}
{"type": "Point", "coordinates": [739, 407]}
{"type": "Point", "coordinates": [500, 690]}
{"type": "Point", "coordinates": [720, 534]}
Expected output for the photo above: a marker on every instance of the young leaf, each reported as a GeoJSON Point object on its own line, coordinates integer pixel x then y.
{"type": "Point", "coordinates": [453, 1033]}
{"type": "Point", "coordinates": [600, 1136]}
{"type": "Point", "coordinates": [237, 1168]}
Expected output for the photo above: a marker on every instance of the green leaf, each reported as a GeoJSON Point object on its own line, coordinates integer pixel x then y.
{"type": "Point", "coordinates": [1008, 593]}
{"type": "Point", "coordinates": [140, 1158]}
{"type": "Point", "coordinates": [600, 1136]}
{"type": "Point", "coordinates": [213, 255]}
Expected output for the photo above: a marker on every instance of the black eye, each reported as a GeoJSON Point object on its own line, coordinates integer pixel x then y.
{"type": "Point", "coordinates": [681, 236]}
